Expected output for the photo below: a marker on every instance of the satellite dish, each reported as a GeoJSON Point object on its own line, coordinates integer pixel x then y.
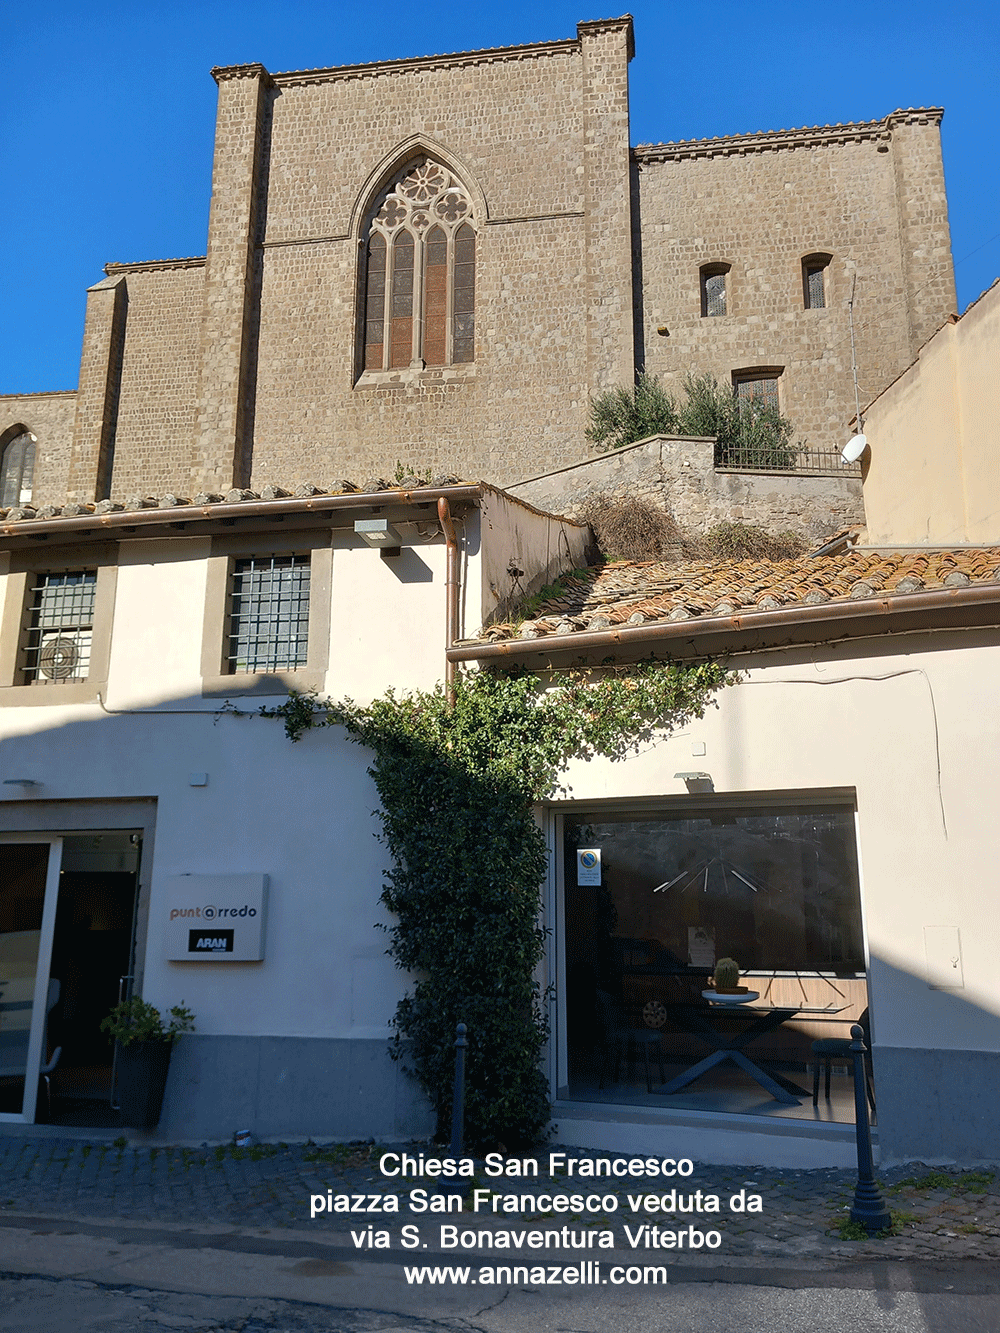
{"type": "Point", "coordinates": [854, 448]}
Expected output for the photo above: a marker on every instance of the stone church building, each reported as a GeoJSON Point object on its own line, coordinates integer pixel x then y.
{"type": "Point", "coordinates": [440, 260]}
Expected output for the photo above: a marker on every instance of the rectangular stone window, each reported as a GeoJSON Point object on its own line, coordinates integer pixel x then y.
{"type": "Point", "coordinates": [60, 628]}
{"type": "Point", "coordinates": [814, 276]}
{"type": "Point", "coordinates": [269, 614]}
{"type": "Point", "coordinates": [760, 386]}
{"type": "Point", "coordinates": [55, 636]}
{"type": "Point", "coordinates": [713, 289]}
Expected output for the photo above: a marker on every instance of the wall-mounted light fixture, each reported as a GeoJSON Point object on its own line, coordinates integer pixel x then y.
{"type": "Point", "coordinates": [21, 782]}
{"type": "Point", "coordinates": [380, 534]}
{"type": "Point", "coordinates": [697, 782]}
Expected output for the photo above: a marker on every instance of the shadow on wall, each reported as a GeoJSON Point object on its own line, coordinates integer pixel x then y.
{"type": "Point", "coordinates": [291, 811]}
{"type": "Point", "coordinates": [317, 1008]}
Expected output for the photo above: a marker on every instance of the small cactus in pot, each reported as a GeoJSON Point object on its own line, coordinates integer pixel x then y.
{"type": "Point", "coordinates": [727, 975]}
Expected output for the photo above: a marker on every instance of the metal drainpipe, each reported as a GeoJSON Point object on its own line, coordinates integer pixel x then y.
{"type": "Point", "coordinates": [451, 597]}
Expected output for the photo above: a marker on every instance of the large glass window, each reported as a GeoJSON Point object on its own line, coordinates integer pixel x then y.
{"type": "Point", "coordinates": [775, 889]}
{"type": "Point", "coordinates": [655, 898]}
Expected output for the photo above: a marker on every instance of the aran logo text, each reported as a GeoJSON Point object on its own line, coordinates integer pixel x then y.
{"type": "Point", "coordinates": [206, 941]}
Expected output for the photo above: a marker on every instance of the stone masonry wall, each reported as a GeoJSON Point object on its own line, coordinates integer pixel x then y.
{"type": "Point", "coordinates": [243, 368]}
{"type": "Point", "coordinates": [540, 137]}
{"type": "Point", "coordinates": [49, 416]}
{"type": "Point", "coordinates": [159, 375]}
{"type": "Point", "coordinates": [761, 203]}
{"type": "Point", "coordinates": [677, 474]}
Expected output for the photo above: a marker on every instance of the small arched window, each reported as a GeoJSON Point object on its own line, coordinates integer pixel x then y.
{"type": "Point", "coordinates": [420, 272]}
{"type": "Point", "coordinates": [713, 288]}
{"type": "Point", "coordinates": [17, 466]}
{"type": "Point", "coordinates": [814, 279]}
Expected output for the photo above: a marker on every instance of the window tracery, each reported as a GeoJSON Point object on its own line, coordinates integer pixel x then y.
{"type": "Point", "coordinates": [17, 466]}
{"type": "Point", "coordinates": [420, 272]}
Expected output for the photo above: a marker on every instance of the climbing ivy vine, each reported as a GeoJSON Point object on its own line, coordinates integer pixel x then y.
{"type": "Point", "coordinates": [458, 784]}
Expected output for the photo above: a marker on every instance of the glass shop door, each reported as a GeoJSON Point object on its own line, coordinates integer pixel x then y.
{"type": "Point", "coordinates": [29, 889]}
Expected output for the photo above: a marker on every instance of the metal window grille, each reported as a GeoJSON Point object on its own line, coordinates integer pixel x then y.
{"type": "Point", "coordinates": [713, 294]}
{"type": "Point", "coordinates": [763, 390]}
{"type": "Point", "coordinates": [815, 295]}
{"type": "Point", "coordinates": [60, 628]}
{"type": "Point", "coordinates": [269, 615]}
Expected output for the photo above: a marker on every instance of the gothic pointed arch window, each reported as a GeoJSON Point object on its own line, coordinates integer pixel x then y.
{"type": "Point", "coordinates": [17, 466]}
{"type": "Point", "coordinates": [420, 272]}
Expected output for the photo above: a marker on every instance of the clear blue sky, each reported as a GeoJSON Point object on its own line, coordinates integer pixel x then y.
{"type": "Point", "coordinates": [109, 108]}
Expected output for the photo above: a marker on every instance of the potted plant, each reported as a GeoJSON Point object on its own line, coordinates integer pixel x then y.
{"type": "Point", "coordinates": [727, 975]}
{"type": "Point", "coordinates": [143, 1043]}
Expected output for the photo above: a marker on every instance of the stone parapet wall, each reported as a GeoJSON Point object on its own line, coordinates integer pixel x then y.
{"type": "Point", "coordinates": [677, 475]}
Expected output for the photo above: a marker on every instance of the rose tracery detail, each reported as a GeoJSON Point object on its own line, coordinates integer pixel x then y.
{"type": "Point", "coordinates": [424, 188]}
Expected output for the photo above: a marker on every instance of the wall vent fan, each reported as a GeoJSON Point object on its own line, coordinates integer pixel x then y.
{"type": "Point", "coordinates": [64, 655]}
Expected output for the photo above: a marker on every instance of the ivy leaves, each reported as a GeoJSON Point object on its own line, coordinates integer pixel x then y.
{"type": "Point", "coordinates": [457, 787]}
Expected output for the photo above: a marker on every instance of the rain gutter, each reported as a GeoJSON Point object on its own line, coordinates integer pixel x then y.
{"type": "Point", "coordinates": [451, 597]}
{"type": "Point", "coordinates": [183, 514]}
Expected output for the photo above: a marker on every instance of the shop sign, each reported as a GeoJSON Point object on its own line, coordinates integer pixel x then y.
{"type": "Point", "coordinates": [216, 917]}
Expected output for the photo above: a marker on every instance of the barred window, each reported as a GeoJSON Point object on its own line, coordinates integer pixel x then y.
{"type": "Point", "coordinates": [814, 281]}
{"type": "Point", "coordinates": [269, 614]}
{"type": "Point", "coordinates": [420, 272]}
{"type": "Point", "coordinates": [17, 466]}
{"type": "Point", "coordinates": [761, 386]}
{"type": "Point", "coordinates": [60, 628]}
{"type": "Point", "coordinates": [713, 289]}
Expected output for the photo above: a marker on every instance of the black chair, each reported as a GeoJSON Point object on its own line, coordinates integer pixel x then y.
{"type": "Point", "coordinates": [829, 1048]}
{"type": "Point", "coordinates": [619, 1040]}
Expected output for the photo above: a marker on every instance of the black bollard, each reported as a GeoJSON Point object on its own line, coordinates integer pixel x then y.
{"type": "Point", "coordinates": [457, 1112]}
{"type": "Point", "coordinates": [458, 1098]}
{"type": "Point", "coordinates": [869, 1209]}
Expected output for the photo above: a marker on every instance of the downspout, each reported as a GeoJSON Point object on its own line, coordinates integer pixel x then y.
{"type": "Point", "coordinates": [451, 588]}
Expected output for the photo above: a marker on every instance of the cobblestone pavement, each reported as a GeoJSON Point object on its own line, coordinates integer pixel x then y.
{"type": "Point", "coordinates": [267, 1188]}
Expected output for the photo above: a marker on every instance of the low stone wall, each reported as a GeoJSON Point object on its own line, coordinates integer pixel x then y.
{"type": "Point", "coordinates": [677, 473]}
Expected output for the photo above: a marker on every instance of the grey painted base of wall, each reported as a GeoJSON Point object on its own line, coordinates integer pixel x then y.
{"type": "Point", "coordinates": [290, 1087]}
{"type": "Point", "coordinates": [937, 1106]}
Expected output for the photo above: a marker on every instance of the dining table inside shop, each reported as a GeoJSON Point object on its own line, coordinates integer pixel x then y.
{"type": "Point", "coordinates": [727, 1029]}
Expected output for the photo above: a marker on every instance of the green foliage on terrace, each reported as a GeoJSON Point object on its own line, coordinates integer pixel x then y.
{"type": "Point", "coordinates": [748, 432]}
{"type": "Point", "coordinates": [457, 787]}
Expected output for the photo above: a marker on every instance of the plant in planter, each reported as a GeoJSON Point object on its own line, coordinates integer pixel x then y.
{"type": "Point", "coordinates": [143, 1043]}
{"type": "Point", "coordinates": [727, 976]}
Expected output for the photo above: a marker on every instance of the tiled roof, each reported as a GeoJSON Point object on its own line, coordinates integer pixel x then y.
{"type": "Point", "coordinates": [27, 513]}
{"type": "Point", "coordinates": [633, 593]}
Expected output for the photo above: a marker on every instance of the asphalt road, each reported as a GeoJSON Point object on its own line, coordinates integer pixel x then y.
{"type": "Point", "coordinates": [114, 1278]}
{"type": "Point", "coordinates": [60, 1305]}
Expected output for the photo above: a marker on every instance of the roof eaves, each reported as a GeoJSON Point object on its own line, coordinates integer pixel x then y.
{"type": "Point", "coordinates": [856, 618]}
{"type": "Point", "coordinates": [173, 513]}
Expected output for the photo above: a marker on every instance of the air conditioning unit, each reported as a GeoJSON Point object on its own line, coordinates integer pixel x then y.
{"type": "Point", "coordinates": [64, 654]}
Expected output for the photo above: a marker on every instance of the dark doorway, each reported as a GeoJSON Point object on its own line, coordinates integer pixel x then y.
{"type": "Point", "coordinates": [92, 952]}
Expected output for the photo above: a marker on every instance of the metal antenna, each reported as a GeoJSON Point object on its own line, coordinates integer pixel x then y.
{"type": "Point", "coordinates": [854, 358]}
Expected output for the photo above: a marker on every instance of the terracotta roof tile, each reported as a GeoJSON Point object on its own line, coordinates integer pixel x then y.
{"type": "Point", "coordinates": [617, 594]}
